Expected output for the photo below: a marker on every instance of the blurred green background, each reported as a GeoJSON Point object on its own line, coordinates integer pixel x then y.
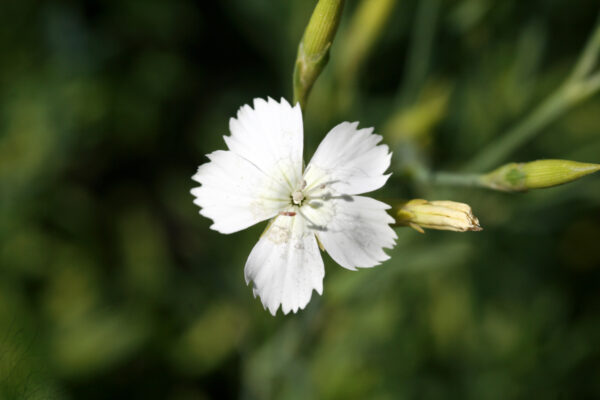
{"type": "Point", "coordinates": [112, 285]}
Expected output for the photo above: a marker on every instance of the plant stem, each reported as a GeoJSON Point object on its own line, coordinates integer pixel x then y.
{"type": "Point", "coordinates": [576, 89]}
{"type": "Point", "coordinates": [365, 27]}
{"type": "Point", "coordinates": [497, 151]}
{"type": "Point", "coordinates": [588, 59]}
{"type": "Point", "coordinates": [456, 179]}
{"type": "Point", "coordinates": [424, 175]}
{"type": "Point", "coordinates": [421, 46]}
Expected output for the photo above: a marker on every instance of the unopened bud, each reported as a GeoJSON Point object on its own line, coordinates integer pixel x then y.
{"type": "Point", "coordinates": [313, 51]}
{"type": "Point", "coordinates": [366, 25]}
{"type": "Point", "coordinates": [440, 214]}
{"type": "Point", "coordinates": [536, 174]}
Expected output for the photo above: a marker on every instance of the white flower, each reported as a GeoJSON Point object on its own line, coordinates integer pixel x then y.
{"type": "Point", "coordinates": [260, 177]}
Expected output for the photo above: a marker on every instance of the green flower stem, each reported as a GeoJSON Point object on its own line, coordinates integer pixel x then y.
{"type": "Point", "coordinates": [457, 179]}
{"type": "Point", "coordinates": [591, 86]}
{"type": "Point", "coordinates": [496, 152]}
{"type": "Point", "coordinates": [576, 89]}
{"type": "Point", "coordinates": [364, 29]}
{"type": "Point", "coordinates": [442, 178]}
{"type": "Point", "coordinates": [313, 51]}
{"type": "Point", "coordinates": [589, 57]}
{"type": "Point", "coordinates": [420, 50]}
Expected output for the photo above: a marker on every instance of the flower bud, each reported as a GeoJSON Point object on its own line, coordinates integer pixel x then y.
{"type": "Point", "coordinates": [440, 214]}
{"type": "Point", "coordinates": [313, 51]}
{"type": "Point", "coordinates": [365, 27]}
{"type": "Point", "coordinates": [536, 174]}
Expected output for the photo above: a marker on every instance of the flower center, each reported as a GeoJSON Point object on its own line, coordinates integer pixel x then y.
{"type": "Point", "coordinates": [297, 197]}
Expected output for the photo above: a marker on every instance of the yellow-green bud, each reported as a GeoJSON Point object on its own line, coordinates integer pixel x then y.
{"type": "Point", "coordinates": [313, 51]}
{"type": "Point", "coordinates": [440, 214]}
{"type": "Point", "coordinates": [366, 25]}
{"type": "Point", "coordinates": [416, 122]}
{"type": "Point", "coordinates": [536, 174]}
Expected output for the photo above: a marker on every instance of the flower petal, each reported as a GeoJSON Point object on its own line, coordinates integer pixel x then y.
{"type": "Point", "coordinates": [350, 160]}
{"type": "Point", "coordinates": [269, 136]}
{"type": "Point", "coordinates": [285, 265]}
{"type": "Point", "coordinates": [354, 230]}
{"type": "Point", "coordinates": [235, 194]}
